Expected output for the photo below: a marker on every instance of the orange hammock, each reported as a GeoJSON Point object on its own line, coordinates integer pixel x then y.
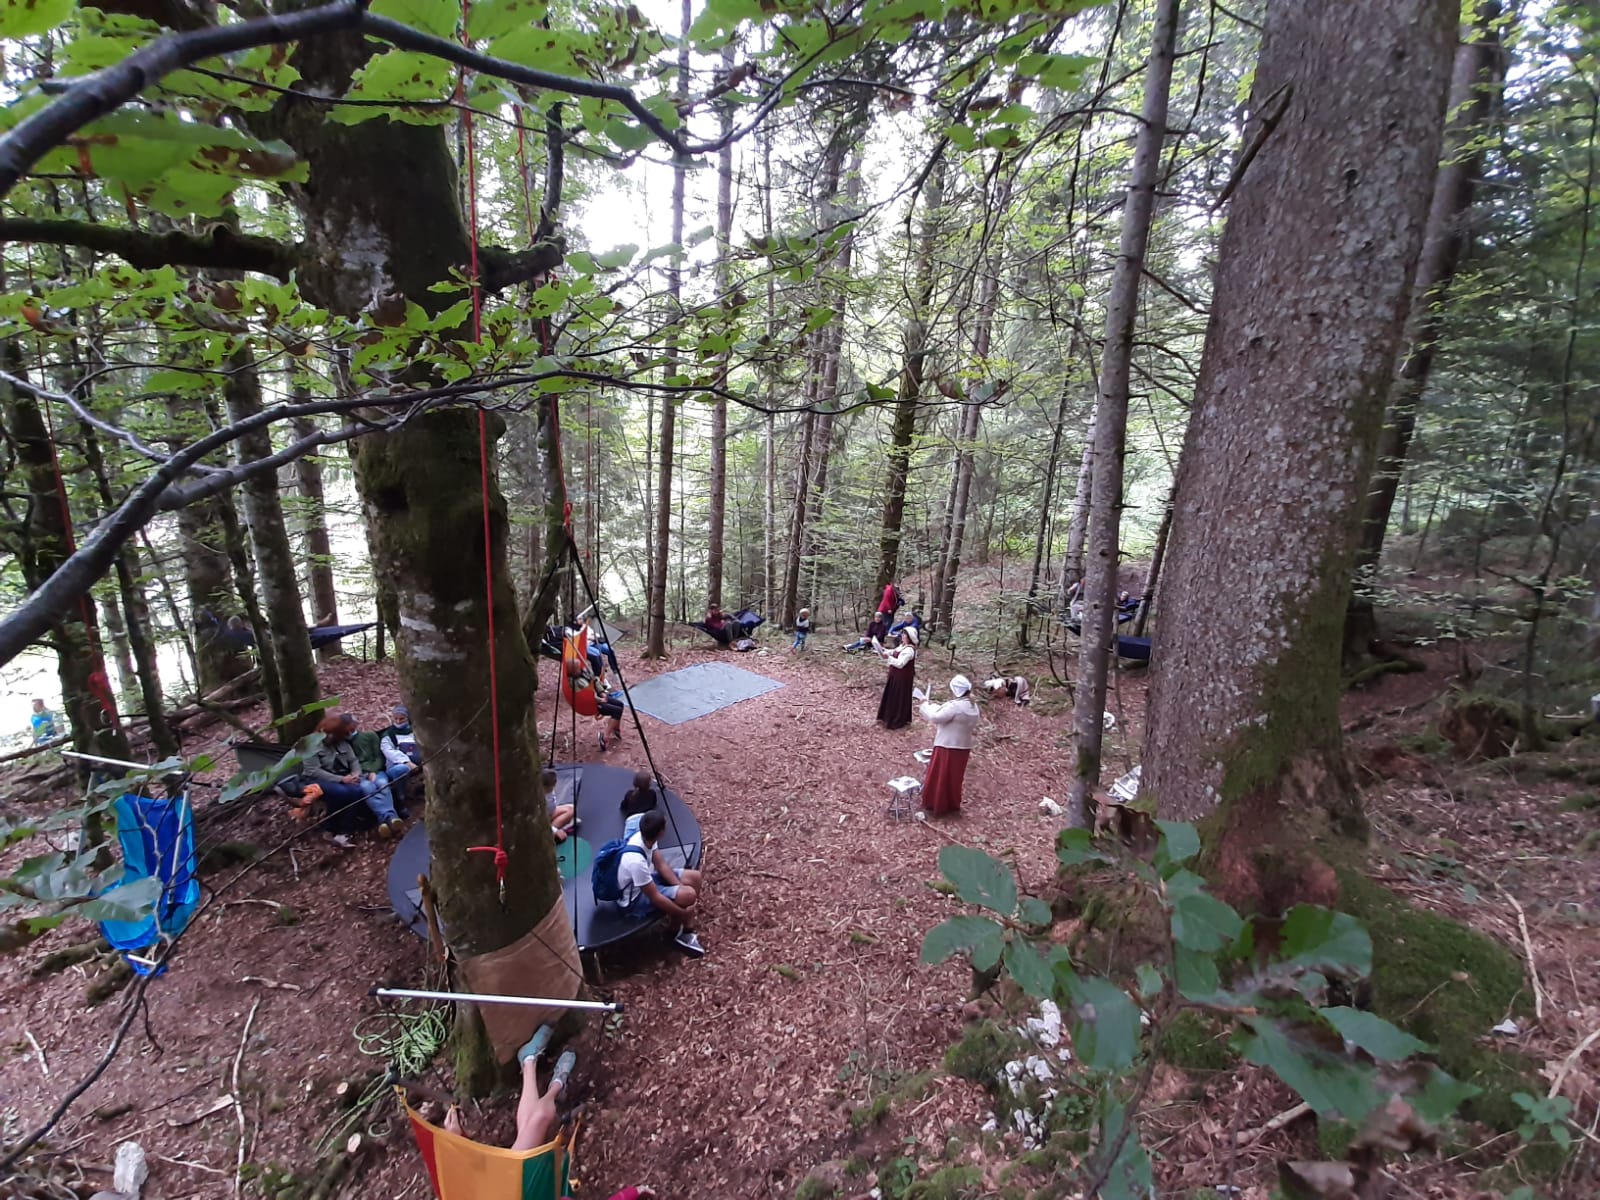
{"type": "Point", "coordinates": [462, 1169]}
{"type": "Point", "coordinates": [577, 684]}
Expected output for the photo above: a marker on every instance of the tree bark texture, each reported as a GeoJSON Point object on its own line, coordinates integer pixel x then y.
{"type": "Point", "coordinates": [1111, 420]}
{"type": "Point", "coordinates": [656, 637]}
{"type": "Point", "coordinates": [208, 582]}
{"type": "Point", "coordinates": [319, 550]}
{"type": "Point", "coordinates": [718, 505]}
{"type": "Point", "coordinates": [276, 573]}
{"type": "Point", "coordinates": [121, 653]}
{"type": "Point", "coordinates": [912, 373]}
{"type": "Point", "coordinates": [1314, 277]}
{"type": "Point", "coordinates": [1078, 524]}
{"type": "Point", "coordinates": [1480, 66]}
{"type": "Point", "coordinates": [244, 586]}
{"type": "Point", "coordinates": [797, 520]}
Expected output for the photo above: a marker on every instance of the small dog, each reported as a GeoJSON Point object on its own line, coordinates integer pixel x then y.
{"type": "Point", "coordinates": [1014, 687]}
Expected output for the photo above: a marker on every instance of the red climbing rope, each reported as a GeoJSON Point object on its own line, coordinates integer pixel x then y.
{"type": "Point", "coordinates": [499, 847]}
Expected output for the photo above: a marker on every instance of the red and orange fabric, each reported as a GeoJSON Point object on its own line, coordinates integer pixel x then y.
{"type": "Point", "coordinates": [462, 1169]}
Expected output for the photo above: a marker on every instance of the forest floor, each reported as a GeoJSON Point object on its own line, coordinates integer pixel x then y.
{"type": "Point", "coordinates": [809, 1034]}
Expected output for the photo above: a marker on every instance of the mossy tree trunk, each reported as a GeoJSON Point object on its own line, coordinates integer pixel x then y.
{"type": "Point", "coordinates": [314, 521]}
{"type": "Point", "coordinates": [383, 219]}
{"type": "Point", "coordinates": [1314, 276]}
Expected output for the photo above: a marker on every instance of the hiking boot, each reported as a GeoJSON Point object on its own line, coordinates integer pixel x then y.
{"type": "Point", "coordinates": [689, 943]}
{"type": "Point", "coordinates": [537, 1044]}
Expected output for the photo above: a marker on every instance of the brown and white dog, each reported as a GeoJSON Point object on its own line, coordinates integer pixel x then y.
{"type": "Point", "coordinates": [1013, 687]}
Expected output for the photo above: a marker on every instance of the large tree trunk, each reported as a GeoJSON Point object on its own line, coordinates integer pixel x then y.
{"type": "Point", "coordinates": [656, 638]}
{"type": "Point", "coordinates": [314, 521]}
{"type": "Point", "coordinates": [1111, 420]}
{"type": "Point", "coordinates": [208, 580]}
{"type": "Point", "coordinates": [275, 566]}
{"type": "Point", "coordinates": [390, 188]}
{"type": "Point", "coordinates": [912, 372]}
{"type": "Point", "coordinates": [718, 504]}
{"type": "Point", "coordinates": [86, 695]}
{"type": "Point", "coordinates": [1313, 280]}
{"type": "Point", "coordinates": [1480, 67]}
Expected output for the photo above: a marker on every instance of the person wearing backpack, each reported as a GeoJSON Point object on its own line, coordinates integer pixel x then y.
{"type": "Point", "coordinates": [630, 875]}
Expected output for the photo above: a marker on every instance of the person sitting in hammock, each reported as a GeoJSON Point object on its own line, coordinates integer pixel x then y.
{"type": "Point", "coordinates": [715, 625]}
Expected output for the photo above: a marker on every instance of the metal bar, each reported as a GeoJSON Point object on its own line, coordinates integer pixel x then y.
{"type": "Point", "coordinates": [118, 762]}
{"type": "Point", "coordinates": [480, 998]}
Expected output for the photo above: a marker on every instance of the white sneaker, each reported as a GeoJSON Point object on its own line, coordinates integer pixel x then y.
{"type": "Point", "coordinates": [689, 943]}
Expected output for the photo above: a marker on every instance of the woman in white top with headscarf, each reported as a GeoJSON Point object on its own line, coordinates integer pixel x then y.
{"type": "Point", "coordinates": [955, 727]}
{"type": "Point", "coordinates": [894, 710]}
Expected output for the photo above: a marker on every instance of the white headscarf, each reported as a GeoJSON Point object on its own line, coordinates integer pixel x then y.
{"type": "Point", "coordinates": [910, 634]}
{"type": "Point", "coordinates": [960, 685]}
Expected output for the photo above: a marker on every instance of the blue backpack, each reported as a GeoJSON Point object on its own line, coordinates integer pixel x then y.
{"type": "Point", "coordinates": [603, 878]}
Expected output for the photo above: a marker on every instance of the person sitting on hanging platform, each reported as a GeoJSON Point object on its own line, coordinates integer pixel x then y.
{"type": "Point", "coordinates": [649, 885]}
{"type": "Point", "coordinates": [563, 817]}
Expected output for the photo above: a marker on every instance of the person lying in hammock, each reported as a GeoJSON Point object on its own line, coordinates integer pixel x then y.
{"type": "Point", "coordinates": [607, 700]}
{"type": "Point", "coordinates": [537, 1118]}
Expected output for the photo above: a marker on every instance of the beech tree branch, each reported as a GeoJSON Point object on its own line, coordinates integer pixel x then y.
{"type": "Point", "coordinates": [220, 247]}
{"type": "Point", "coordinates": [500, 268]}
{"type": "Point", "coordinates": [105, 91]}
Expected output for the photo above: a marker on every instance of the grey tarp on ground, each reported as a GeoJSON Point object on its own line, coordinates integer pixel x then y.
{"type": "Point", "coordinates": [685, 695]}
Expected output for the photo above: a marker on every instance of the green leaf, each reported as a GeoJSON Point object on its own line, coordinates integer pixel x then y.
{"type": "Point", "coordinates": [131, 901]}
{"type": "Point", "coordinates": [1328, 1084]}
{"type": "Point", "coordinates": [1195, 974]}
{"type": "Point", "coordinates": [1130, 1176]}
{"type": "Point", "coordinates": [1106, 1031]}
{"type": "Point", "coordinates": [402, 75]}
{"type": "Point", "coordinates": [979, 878]}
{"type": "Point", "coordinates": [980, 939]}
{"type": "Point", "coordinates": [1373, 1034]}
{"type": "Point", "coordinates": [489, 19]}
{"type": "Point", "coordinates": [1202, 922]}
{"type": "Point", "coordinates": [1034, 911]}
{"type": "Point", "coordinates": [1076, 846]}
{"type": "Point", "coordinates": [1441, 1096]}
{"type": "Point", "coordinates": [437, 17]}
{"type": "Point", "coordinates": [24, 18]}
{"type": "Point", "coordinates": [1056, 70]}
{"type": "Point", "coordinates": [1179, 842]}
{"type": "Point", "coordinates": [1150, 981]}
{"type": "Point", "coordinates": [1030, 969]}
{"type": "Point", "coordinates": [620, 256]}
{"type": "Point", "coordinates": [961, 137]}
{"type": "Point", "coordinates": [1323, 939]}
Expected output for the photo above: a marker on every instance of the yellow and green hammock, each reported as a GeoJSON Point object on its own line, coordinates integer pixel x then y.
{"type": "Point", "coordinates": [462, 1169]}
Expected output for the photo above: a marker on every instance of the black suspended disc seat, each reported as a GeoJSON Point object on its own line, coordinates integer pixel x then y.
{"type": "Point", "coordinates": [321, 635]}
{"type": "Point", "coordinates": [596, 790]}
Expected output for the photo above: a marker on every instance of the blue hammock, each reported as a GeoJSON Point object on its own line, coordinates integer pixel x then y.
{"type": "Point", "coordinates": [157, 837]}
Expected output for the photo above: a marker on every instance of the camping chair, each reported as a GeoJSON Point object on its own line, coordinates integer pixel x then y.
{"type": "Point", "coordinates": [157, 839]}
{"type": "Point", "coordinates": [462, 1169]}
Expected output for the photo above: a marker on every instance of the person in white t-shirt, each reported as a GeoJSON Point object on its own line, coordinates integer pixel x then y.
{"type": "Point", "coordinates": [649, 885]}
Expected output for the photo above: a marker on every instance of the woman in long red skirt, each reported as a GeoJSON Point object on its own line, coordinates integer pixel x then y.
{"type": "Point", "coordinates": [955, 727]}
{"type": "Point", "coordinates": [894, 710]}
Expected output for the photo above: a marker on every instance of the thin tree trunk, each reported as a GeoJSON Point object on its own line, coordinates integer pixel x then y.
{"type": "Point", "coordinates": [1111, 419]}
{"type": "Point", "coordinates": [1153, 579]}
{"type": "Point", "coordinates": [314, 515]}
{"type": "Point", "coordinates": [1480, 66]}
{"type": "Point", "coordinates": [141, 641]}
{"type": "Point", "coordinates": [656, 639]}
{"type": "Point", "coordinates": [1313, 281]}
{"type": "Point", "coordinates": [797, 523]}
{"type": "Point", "coordinates": [244, 586]}
{"type": "Point", "coordinates": [719, 405]}
{"type": "Point", "coordinates": [275, 566]}
{"type": "Point", "coordinates": [117, 631]}
{"type": "Point", "coordinates": [1046, 504]}
{"type": "Point", "coordinates": [903, 430]}
{"type": "Point", "coordinates": [1078, 527]}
